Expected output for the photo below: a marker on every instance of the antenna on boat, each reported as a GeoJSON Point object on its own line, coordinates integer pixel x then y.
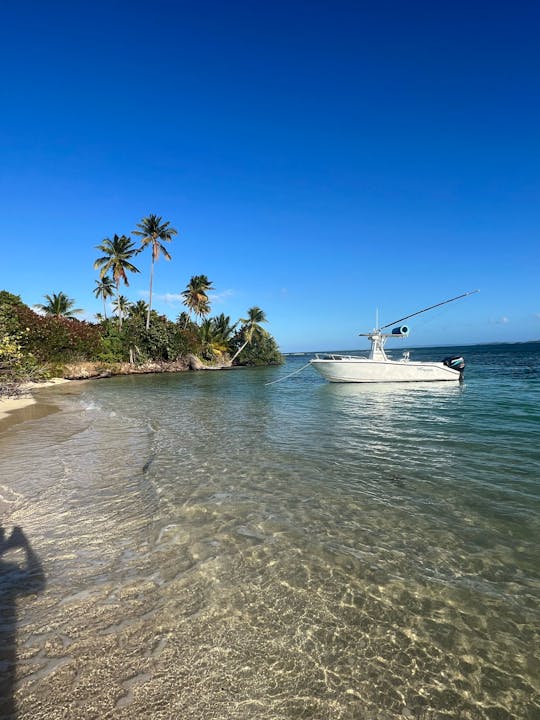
{"type": "Point", "coordinates": [394, 322]}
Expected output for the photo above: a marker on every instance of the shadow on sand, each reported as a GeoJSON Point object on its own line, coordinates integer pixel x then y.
{"type": "Point", "coordinates": [19, 576]}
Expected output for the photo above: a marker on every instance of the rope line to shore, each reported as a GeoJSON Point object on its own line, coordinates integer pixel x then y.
{"type": "Point", "coordinates": [289, 375]}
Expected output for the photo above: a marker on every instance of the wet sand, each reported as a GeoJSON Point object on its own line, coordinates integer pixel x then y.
{"type": "Point", "coordinates": [26, 407]}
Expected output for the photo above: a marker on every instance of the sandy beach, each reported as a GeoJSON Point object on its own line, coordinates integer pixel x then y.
{"type": "Point", "coordinates": [10, 406]}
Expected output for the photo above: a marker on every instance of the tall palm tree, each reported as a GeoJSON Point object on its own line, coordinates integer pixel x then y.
{"type": "Point", "coordinates": [121, 308]}
{"type": "Point", "coordinates": [251, 328]}
{"type": "Point", "coordinates": [104, 289]}
{"type": "Point", "coordinates": [117, 254]}
{"type": "Point", "coordinates": [195, 295]}
{"type": "Point", "coordinates": [154, 232]}
{"type": "Point", "coordinates": [59, 305]}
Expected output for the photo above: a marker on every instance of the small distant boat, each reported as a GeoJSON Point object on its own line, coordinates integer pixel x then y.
{"type": "Point", "coordinates": [378, 367]}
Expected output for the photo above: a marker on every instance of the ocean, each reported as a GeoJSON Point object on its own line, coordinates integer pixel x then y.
{"type": "Point", "coordinates": [205, 545]}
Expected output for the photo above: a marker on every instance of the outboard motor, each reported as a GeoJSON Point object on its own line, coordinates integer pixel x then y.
{"type": "Point", "coordinates": [456, 362]}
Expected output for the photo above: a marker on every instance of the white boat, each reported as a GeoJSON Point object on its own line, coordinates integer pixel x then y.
{"type": "Point", "coordinates": [378, 367]}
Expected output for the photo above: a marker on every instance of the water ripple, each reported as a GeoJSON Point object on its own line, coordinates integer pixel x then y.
{"type": "Point", "coordinates": [215, 547]}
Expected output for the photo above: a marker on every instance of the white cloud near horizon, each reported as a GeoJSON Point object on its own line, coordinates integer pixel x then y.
{"type": "Point", "coordinates": [176, 298]}
{"type": "Point", "coordinates": [221, 297]}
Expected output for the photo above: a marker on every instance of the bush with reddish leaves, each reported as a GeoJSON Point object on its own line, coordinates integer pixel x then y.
{"type": "Point", "coordinates": [56, 338]}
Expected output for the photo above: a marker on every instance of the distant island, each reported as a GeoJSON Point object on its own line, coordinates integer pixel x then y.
{"type": "Point", "coordinates": [48, 340]}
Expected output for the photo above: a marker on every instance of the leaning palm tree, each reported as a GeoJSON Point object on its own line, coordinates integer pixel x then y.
{"type": "Point", "coordinates": [121, 306]}
{"type": "Point", "coordinates": [251, 328]}
{"type": "Point", "coordinates": [59, 305]}
{"type": "Point", "coordinates": [195, 295]}
{"type": "Point", "coordinates": [104, 289]}
{"type": "Point", "coordinates": [154, 232]}
{"type": "Point", "coordinates": [117, 254]}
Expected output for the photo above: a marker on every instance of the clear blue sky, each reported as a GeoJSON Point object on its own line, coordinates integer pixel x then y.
{"type": "Point", "coordinates": [319, 159]}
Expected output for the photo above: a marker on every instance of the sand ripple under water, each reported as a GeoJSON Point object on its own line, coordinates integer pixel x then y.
{"type": "Point", "coordinates": [214, 548]}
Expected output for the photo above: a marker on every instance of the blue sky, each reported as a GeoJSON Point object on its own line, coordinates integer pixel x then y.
{"type": "Point", "coordinates": [319, 159]}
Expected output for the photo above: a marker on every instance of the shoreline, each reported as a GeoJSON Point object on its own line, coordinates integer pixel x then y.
{"type": "Point", "coordinates": [12, 407]}
{"type": "Point", "coordinates": [9, 406]}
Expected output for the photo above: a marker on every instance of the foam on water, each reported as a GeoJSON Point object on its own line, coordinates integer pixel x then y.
{"type": "Point", "coordinates": [217, 548]}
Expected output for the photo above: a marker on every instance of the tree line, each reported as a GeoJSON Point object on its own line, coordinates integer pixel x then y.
{"type": "Point", "coordinates": [136, 333]}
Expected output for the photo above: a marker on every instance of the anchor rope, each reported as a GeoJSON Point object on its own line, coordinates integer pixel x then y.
{"type": "Point", "coordinates": [289, 375]}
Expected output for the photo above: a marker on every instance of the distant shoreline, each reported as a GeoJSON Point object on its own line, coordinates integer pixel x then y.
{"type": "Point", "coordinates": [417, 347]}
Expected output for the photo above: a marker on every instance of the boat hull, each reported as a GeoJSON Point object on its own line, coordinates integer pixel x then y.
{"type": "Point", "coordinates": [364, 370]}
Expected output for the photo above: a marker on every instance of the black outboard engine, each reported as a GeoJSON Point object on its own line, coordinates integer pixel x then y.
{"type": "Point", "coordinates": [456, 362]}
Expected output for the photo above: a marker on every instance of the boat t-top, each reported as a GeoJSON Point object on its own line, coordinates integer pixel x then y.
{"type": "Point", "coordinates": [378, 367]}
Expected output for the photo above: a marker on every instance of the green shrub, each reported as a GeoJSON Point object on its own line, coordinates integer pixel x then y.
{"type": "Point", "coordinates": [263, 350]}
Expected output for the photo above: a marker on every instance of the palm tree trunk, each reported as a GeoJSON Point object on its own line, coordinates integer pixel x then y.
{"type": "Point", "coordinates": [150, 297]}
{"type": "Point", "coordinates": [104, 308]}
{"type": "Point", "coordinates": [118, 305]}
{"type": "Point", "coordinates": [239, 351]}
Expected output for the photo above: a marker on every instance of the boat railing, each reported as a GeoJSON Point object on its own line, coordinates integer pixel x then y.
{"type": "Point", "coordinates": [337, 356]}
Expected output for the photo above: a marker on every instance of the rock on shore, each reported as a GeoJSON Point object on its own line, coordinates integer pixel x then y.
{"type": "Point", "coordinates": [87, 370]}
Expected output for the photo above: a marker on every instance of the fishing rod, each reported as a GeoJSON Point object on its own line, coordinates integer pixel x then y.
{"type": "Point", "coordinates": [471, 292]}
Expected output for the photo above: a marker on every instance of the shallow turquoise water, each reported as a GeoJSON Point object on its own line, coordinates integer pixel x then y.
{"type": "Point", "coordinates": [296, 550]}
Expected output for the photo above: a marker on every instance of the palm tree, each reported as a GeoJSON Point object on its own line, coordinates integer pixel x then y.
{"type": "Point", "coordinates": [212, 343]}
{"type": "Point", "coordinates": [184, 320]}
{"type": "Point", "coordinates": [251, 328]}
{"type": "Point", "coordinates": [222, 327]}
{"type": "Point", "coordinates": [59, 305]}
{"type": "Point", "coordinates": [154, 232]}
{"type": "Point", "coordinates": [104, 289]}
{"type": "Point", "coordinates": [214, 334]}
{"type": "Point", "coordinates": [138, 310]}
{"type": "Point", "coordinates": [121, 307]}
{"type": "Point", "coordinates": [195, 295]}
{"type": "Point", "coordinates": [116, 259]}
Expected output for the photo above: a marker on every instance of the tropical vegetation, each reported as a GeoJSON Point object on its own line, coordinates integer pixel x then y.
{"type": "Point", "coordinates": [116, 258]}
{"type": "Point", "coordinates": [37, 343]}
{"type": "Point", "coordinates": [104, 289]}
{"type": "Point", "coordinates": [196, 295]}
{"type": "Point", "coordinates": [59, 305]}
{"type": "Point", "coordinates": [154, 232]}
{"type": "Point", "coordinates": [251, 329]}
